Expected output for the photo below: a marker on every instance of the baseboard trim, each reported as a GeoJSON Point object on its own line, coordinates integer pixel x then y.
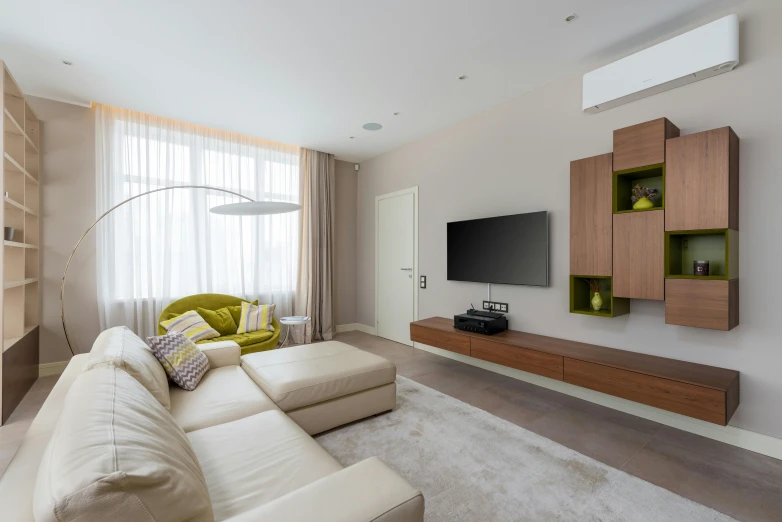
{"type": "Point", "coordinates": [352, 327]}
{"type": "Point", "coordinates": [55, 368]}
{"type": "Point", "coordinates": [732, 435]}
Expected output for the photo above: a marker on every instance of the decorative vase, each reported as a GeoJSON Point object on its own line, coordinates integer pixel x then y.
{"type": "Point", "coordinates": [643, 204]}
{"type": "Point", "coordinates": [597, 302]}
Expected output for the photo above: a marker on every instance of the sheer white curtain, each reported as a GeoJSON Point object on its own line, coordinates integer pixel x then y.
{"type": "Point", "coordinates": [164, 246]}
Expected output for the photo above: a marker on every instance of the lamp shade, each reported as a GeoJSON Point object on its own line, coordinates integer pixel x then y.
{"type": "Point", "coordinates": [255, 208]}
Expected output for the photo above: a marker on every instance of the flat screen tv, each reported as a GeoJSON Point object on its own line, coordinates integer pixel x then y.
{"type": "Point", "coordinates": [509, 250]}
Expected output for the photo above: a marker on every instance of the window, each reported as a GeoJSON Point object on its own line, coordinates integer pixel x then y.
{"type": "Point", "coordinates": [167, 245]}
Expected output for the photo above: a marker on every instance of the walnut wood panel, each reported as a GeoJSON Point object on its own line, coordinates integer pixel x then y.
{"type": "Point", "coordinates": [530, 361]}
{"type": "Point", "coordinates": [451, 341]}
{"type": "Point", "coordinates": [20, 371]}
{"type": "Point", "coordinates": [682, 371]}
{"type": "Point", "coordinates": [694, 401]}
{"type": "Point", "coordinates": [642, 144]}
{"type": "Point", "coordinates": [701, 181]}
{"type": "Point", "coordinates": [639, 255]}
{"type": "Point", "coordinates": [680, 386]}
{"type": "Point", "coordinates": [591, 214]}
{"type": "Point", "coordinates": [702, 304]}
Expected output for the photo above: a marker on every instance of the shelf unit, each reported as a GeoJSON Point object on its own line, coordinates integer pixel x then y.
{"type": "Point", "coordinates": [21, 256]}
{"type": "Point", "coordinates": [581, 297]}
{"type": "Point", "coordinates": [649, 253]}
{"type": "Point", "coordinates": [720, 247]}
{"type": "Point", "coordinates": [652, 176]}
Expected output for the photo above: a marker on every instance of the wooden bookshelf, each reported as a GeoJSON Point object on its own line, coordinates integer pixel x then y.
{"type": "Point", "coordinates": [20, 301]}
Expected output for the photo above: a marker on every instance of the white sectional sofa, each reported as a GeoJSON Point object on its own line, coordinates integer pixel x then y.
{"type": "Point", "coordinates": [113, 442]}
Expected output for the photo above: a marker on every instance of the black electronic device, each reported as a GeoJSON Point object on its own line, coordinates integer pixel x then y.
{"type": "Point", "coordinates": [488, 323]}
{"type": "Point", "coordinates": [510, 250]}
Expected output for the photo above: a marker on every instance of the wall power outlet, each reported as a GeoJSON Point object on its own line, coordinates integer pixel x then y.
{"type": "Point", "coordinates": [495, 306]}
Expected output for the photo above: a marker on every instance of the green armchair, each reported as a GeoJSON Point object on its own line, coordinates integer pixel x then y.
{"type": "Point", "coordinates": [249, 342]}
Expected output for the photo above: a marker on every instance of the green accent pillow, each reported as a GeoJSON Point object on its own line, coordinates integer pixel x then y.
{"type": "Point", "coordinates": [221, 320]}
{"type": "Point", "coordinates": [236, 311]}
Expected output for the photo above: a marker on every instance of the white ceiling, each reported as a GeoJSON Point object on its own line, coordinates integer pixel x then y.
{"type": "Point", "coordinates": [312, 72]}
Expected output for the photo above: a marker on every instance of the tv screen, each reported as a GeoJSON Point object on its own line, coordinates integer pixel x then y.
{"type": "Point", "coordinates": [509, 250]}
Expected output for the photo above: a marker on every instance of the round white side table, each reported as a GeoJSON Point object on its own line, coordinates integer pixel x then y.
{"type": "Point", "coordinates": [294, 320]}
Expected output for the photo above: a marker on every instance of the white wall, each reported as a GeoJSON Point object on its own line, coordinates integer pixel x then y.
{"type": "Point", "coordinates": [515, 158]}
{"type": "Point", "coordinates": [68, 208]}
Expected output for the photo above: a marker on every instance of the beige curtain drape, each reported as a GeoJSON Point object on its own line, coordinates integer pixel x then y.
{"type": "Point", "coordinates": [314, 292]}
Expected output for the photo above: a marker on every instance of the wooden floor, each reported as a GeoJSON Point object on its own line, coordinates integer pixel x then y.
{"type": "Point", "coordinates": [740, 483]}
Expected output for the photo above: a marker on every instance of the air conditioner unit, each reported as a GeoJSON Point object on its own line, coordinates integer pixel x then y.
{"type": "Point", "coordinates": [701, 53]}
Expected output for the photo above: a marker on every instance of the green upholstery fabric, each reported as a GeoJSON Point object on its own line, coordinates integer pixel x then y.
{"type": "Point", "coordinates": [215, 302]}
{"type": "Point", "coordinates": [245, 339]}
{"type": "Point", "coordinates": [221, 320]}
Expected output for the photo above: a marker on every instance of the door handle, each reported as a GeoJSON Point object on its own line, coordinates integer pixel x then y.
{"type": "Point", "coordinates": [408, 269]}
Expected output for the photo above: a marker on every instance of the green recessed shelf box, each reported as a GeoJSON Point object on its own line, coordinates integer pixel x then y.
{"type": "Point", "coordinates": [720, 247]}
{"type": "Point", "coordinates": [581, 297]}
{"type": "Point", "coordinates": [651, 176]}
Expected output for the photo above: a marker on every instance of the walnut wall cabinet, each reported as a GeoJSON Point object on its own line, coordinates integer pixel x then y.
{"type": "Point", "coordinates": [643, 144]}
{"type": "Point", "coordinates": [649, 253]}
{"type": "Point", "coordinates": [639, 255]}
{"type": "Point", "coordinates": [702, 181]}
{"type": "Point", "coordinates": [590, 216]}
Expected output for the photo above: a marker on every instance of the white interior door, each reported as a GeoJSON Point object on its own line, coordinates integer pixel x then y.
{"type": "Point", "coordinates": [396, 274]}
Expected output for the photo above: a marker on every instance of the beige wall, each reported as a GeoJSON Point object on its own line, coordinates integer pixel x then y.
{"type": "Point", "coordinates": [515, 158]}
{"type": "Point", "coordinates": [68, 208]}
{"type": "Point", "coordinates": [345, 244]}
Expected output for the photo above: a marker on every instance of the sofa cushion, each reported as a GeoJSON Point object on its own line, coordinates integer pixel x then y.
{"type": "Point", "coordinates": [191, 325]}
{"type": "Point", "coordinates": [123, 348]}
{"type": "Point", "coordinates": [118, 455]}
{"type": "Point", "coordinates": [236, 310]}
{"type": "Point", "coordinates": [221, 320]}
{"type": "Point", "coordinates": [308, 374]}
{"type": "Point", "coordinates": [223, 395]}
{"type": "Point", "coordinates": [257, 459]}
{"type": "Point", "coordinates": [244, 339]}
{"type": "Point", "coordinates": [256, 317]}
{"type": "Point", "coordinates": [184, 363]}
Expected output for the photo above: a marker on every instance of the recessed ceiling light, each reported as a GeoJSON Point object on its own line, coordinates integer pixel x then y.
{"type": "Point", "coordinates": [463, 77]}
{"type": "Point", "coordinates": [372, 126]}
{"type": "Point", "coordinates": [66, 62]}
{"type": "Point", "coordinates": [571, 18]}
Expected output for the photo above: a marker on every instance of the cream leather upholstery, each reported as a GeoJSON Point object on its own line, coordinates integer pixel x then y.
{"type": "Point", "coordinates": [255, 460]}
{"type": "Point", "coordinates": [369, 490]}
{"type": "Point", "coordinates": [126, 350]}
{"type": "Point", "coordinates": [118, 455]}
{"type": "Point", "coordinates": [222, 353]}
{"type": "Point", "coordinates": [224, 394]}
{"type": "Point", "coordinates": [104, 448]}
{"type": "Point", "coordinates": [310, 374]}
{"type": "Point", "coordinates": [326, 415]}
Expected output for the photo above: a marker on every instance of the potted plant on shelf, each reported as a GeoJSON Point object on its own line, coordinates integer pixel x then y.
{"type": "Point", "coordinates": [642, 197]}
{"type": "Point", "coordinates": [594, 288]}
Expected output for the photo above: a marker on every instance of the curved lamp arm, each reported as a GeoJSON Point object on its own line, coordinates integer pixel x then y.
{"type": "Point", "coordinates": [109, 211]}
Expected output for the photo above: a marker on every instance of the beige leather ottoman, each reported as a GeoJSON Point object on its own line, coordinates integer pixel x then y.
{"type": "Point", "coordinates": [324, 385]}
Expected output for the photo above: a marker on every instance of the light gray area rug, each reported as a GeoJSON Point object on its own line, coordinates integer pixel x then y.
{"type": "Point", "coordinates": [473, 466]}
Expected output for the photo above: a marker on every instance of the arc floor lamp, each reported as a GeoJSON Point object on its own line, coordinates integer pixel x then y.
{"type": "Point", "coordinates": [245, 208]}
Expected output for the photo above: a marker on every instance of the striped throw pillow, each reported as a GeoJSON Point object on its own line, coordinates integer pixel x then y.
{"type": "Point", "coordinates": [183, 361]}
{"type": "Point", "coordinates": [191, 325]}
{"type": "Point", "coordinates": [256, 317]}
